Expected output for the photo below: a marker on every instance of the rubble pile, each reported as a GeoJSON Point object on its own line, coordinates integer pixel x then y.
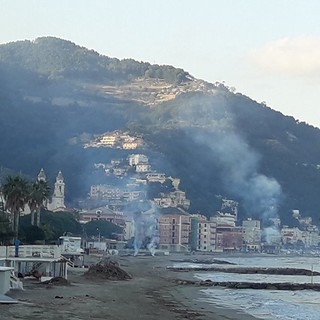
{"type": "Point", "coordinates": [57, 281]}
{"type": "Point", "coordinates": [107, 270]}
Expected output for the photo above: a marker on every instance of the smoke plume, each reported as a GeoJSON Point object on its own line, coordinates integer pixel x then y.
{"type": "Point", "coordinates": [145, 228]}
{"type": "Point", "coordinates": [259, 194]}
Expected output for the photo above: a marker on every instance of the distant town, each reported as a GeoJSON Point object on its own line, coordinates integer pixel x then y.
{"type": "Point", "coordinates": [162, 216]}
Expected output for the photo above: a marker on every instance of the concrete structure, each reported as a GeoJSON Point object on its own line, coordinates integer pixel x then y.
{"type": "Point", "coordinates": [252, 235]}
{"type": "Point", "coordinates": [108, 140]}
{"type": "Point", "coordinates": [57, 200]}
{"type": "Point", "coordinates": [70, 245]}
{"type": "Point", "coordinates": [156, 177]}
{"type": "Point", "coordinates": [5, 273]}
{"type": "Point", "coordinates": [224, 219]}
{"type": "Point", "coordinates": [135, 159]}
{"type": "Point", "coordinates": [47, 260]}
{"type": "Point", "coordinates": [174, 227]}
{"type": "Point", "coordinates": [229, 238]}
{"type": "Point", "coordinates": [128, 231]}
{"type": "Point", "coordinates": [102, 213]}
{"type": "Point", "coordinates": [290, 236]}
{"type": "Point", "coordinates": [204, 235]}
{"type": "Point", "coordinates": [143, 167]}
{"type": "Point", "coordinates": [108, 192]}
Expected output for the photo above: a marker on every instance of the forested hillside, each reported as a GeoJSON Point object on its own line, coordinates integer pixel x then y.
{"type": "Point", "coordinates": [55, 96]}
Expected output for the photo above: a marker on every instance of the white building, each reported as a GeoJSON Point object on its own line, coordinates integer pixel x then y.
{"type": "Point", "coordinates": [252, 234]}
{"type": "Point", "coordinates": [57, 199]}
{"type": "Point", "coordinates": [206, 235]}
{"type": "Point", "coordinates": [143, 167]}
{"type": "Point", "coordinates": [224, 219]}
{"type": "Point", "coordinates": [135, 159]}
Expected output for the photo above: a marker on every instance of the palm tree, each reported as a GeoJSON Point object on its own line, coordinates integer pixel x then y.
{"type": "Point", "coordinates": [15, 192]}
{"type": "Point", "coordinates": [39, 193]}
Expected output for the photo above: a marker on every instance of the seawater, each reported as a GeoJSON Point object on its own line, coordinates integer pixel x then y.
{"type": "Point", "coordinates": [264, 304]}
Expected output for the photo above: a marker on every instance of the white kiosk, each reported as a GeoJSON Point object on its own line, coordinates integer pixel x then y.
{"type": "Point", "coordinates": [5, 273]}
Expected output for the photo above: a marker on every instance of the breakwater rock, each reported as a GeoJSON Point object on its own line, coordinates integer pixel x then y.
{"type": "Point", "coordinates": [252, 270]}
{"type": "Point", "coordinates": [204, 261]}
{"type": "Point", "coordinates": [253, 285]}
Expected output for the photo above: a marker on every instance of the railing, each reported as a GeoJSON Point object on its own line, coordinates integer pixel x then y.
{"type": "Point", "coordinates": [28, 251]}
{"type": "Point", "coordinates": [68, 261]}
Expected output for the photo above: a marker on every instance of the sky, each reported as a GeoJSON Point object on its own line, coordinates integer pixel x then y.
{"type": "Point", "coordinates": [268, 50]}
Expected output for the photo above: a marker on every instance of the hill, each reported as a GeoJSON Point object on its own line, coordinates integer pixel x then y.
{"type": "Point", "coordinates": [55, 96]}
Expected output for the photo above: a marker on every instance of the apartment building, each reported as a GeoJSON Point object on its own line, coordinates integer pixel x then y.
{"type": "Point", "coordinates": [174, 227]}
{"type": "Point", "coordinates": [251, 235]}
{"type": "Point", "coordinates": [206, 235]}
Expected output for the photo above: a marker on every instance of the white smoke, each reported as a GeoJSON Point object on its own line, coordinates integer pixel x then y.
{"type": "Point", "coordinates": [260, 194]}
{"type": "Point", "coordinates": [145, 226]}
{"type": "Point", "coordinates": [271, 235]}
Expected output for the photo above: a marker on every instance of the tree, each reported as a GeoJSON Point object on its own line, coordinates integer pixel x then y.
{"type": "Point", "coordinates": [104, 228]}
{"type": "Point", "coordinates": [15, 192]}
{"type": "Point", "coordinates": [39, 193]}
{"type": "Point", "coordinates": [5, 232]}
{"type": "Point", "coordinates": [32, 234]}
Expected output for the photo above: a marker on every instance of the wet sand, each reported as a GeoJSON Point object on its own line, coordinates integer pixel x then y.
{"type": "Point", "coordinates": [150, 294]}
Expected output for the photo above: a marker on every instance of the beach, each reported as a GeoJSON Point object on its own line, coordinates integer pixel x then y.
{"type": "Point", "coordinates": [150, 294]}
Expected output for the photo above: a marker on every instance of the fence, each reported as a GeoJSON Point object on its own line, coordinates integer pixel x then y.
{"type": "Point", "coordinates": [41, 251]}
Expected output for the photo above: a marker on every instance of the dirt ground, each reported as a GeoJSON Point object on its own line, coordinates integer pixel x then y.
{"type": "Point", "coordinates": [151, 294]}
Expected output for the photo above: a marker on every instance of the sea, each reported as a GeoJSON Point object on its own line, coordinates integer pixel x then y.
{"type": "Point", "coordinates": [263, 304]}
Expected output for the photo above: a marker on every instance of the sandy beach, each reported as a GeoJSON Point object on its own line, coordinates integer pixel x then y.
{"type": "Point", "coordinates": [150, 294]}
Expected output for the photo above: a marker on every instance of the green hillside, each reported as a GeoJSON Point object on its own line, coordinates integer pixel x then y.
{"type": "Point", "coordinates": [55, 96]}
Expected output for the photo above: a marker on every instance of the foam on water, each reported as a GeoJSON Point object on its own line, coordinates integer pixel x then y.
{"type": "Point", "coordinates": [265, 304]}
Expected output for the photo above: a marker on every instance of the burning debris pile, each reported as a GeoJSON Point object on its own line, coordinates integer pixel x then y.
{"type": "Point", "coordinates": [109, 270]}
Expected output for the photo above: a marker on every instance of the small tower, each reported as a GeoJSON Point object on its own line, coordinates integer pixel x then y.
{"type": "Point", "coordinates": [58, 193]}
{"type": "Point", "coordinates": [42, 175]}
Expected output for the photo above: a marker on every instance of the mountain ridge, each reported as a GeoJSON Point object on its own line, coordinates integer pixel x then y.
{"type": "Point", "coordinates": [75, 92]}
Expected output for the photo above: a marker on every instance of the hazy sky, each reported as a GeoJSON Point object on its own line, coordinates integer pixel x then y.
{"type": "Point", "coordinates": [268, 50]}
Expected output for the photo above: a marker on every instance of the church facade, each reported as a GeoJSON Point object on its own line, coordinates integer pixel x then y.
{"type": "Point", "coordinates": [56, 203]}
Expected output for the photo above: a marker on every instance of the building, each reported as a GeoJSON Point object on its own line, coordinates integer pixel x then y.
{"type": "Point", "coordinates": [112, 193]}
{"type": "Point", "coordinates": [179, 199]}
{"type": "Point", "coordinates": [206, 235]}
{"type": "Point", "coordinates": [108, 140]}
{"type": "Point", "coordinates": [103, 214]}
{"type": "Point", "coordinates": [57, 199]}
{"type": "Point", "coordinates": [129, 145]}
{"type": "Point", "coordinates": [135, 159]}
{"type": "Point", "coordinates": [143, 167]}
{"type": "Point", "coordinates": [251, 235]}
{"type": "Point", "coordinates": [290, 236]}
{"type": "Point", "coordinates": [229, 238]}
{"type": "Point", "coordinates": [156, 177]}
{"type": "Point", "coordinates": [56, 203]}
{"type": "Point", "coordinates": [174, 226]}
{"type": "Point", "coordinates": [224, 219]}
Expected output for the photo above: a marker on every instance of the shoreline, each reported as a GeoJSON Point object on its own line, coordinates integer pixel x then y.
{"type": "Point", "coordinates": [151, 294]}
